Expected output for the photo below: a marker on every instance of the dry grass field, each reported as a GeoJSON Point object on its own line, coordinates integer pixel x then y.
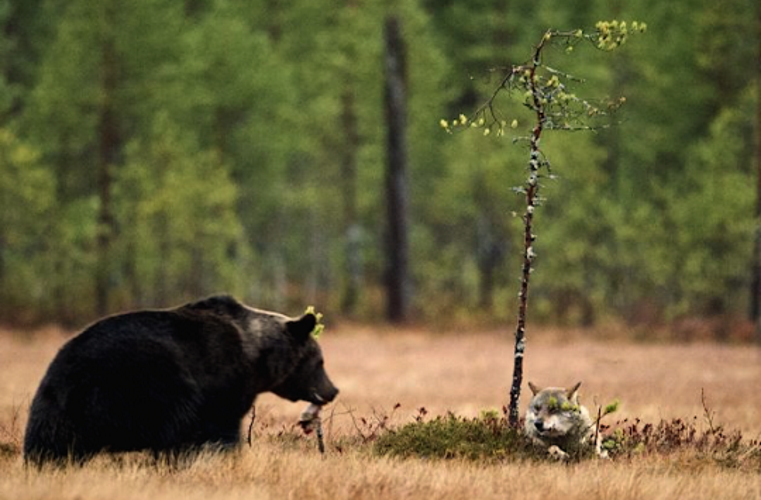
{"type": "Point", "coordinates": [462, 373]}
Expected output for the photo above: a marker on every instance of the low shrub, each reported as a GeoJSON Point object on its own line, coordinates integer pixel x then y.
{"type": "Point", "coordinates": [490, 438]}
{"type": "Point", "coordinates": [485, 438]}
{"type": "Point", "coordinates": [627, 439]}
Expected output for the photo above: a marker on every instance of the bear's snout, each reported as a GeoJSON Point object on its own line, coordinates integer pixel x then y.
{"type": "Point", "coordinates": [330, 394]}
{"type": "Point", "coordinates": [325, 392]}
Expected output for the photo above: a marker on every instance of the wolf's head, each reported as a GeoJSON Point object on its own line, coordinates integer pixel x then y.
{"type": "Point", "coordinates": [555, 415]}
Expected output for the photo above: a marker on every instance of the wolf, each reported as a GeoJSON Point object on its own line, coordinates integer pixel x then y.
{"type": "Point", "coordinates": [556, 421]}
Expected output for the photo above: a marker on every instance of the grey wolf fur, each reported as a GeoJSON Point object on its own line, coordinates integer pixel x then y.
{"type": "Point", "coordinates": [171, 381]}
{"type": "Point", "coordinates": [556, 421]}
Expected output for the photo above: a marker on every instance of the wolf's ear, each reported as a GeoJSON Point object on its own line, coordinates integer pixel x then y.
{"type": "Point", "coordinates": [573, 393]}
{"type": "Point", "coordinates": [534, 388]}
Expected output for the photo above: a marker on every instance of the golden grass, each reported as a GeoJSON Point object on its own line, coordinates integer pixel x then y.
{"type": "Point", "coordinates": [272, 472]}
{"type": "Point", "coordinates": [460, 373]}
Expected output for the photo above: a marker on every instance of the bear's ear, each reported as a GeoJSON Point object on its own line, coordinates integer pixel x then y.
{"type": "Point", "coordinates": [302, 328]}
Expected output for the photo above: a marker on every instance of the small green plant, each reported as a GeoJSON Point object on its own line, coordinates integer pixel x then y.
{"type": "Point", "coordinates": [611, 407]}
{"type": "Point", "coordinates": [319, 326]}
{"type": "Point", "coordinates": [568, 406]}
{"type": "Point", "coordinates": [489, 414]}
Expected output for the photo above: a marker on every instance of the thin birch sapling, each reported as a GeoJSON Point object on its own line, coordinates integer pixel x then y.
{"type": "Point", "coordinates": [546, 92]}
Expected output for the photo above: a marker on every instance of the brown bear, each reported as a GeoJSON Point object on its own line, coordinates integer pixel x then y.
{"type": "Point", "coordinates": [171, 381]}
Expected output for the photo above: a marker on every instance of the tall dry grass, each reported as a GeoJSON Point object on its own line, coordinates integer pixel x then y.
{"type": "Point", "coordinates": [460, 373]}
{"type": "Point", "coordinates": [269, 471]}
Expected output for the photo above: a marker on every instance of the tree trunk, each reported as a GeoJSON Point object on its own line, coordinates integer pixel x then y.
{"type": "Point", "coordinates": [108, 145]}
{"type": "Point", "coordinates": [162, 288]}
{"type": "Point", "coordinates": [397, 273]}
{"type": "Point", "coordinates": [490, 250]}
{"type": "Point", "coordinates": [352, 230]}
{"type": "Point", "coordinates": [755, 288]}
{"type": "Point", "coordinates": [532, 192]}
{"type": "Point", "coordinates": [5, 313]}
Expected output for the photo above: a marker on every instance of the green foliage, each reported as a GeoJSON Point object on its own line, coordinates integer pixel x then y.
{"type": "Point", "coordinates": [711, 251]}
{"type": "Point", "coordinates": [27, 203]}
{"type": "Point", "coordinates": [250, 149]}
{"type": "Point", "coordinates": [546, 91]}
{"type": "Point", "coordinates": [181, 231]}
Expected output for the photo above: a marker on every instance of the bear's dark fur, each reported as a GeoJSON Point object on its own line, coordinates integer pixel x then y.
{"type": "Point", "coordinates": [170, 381]}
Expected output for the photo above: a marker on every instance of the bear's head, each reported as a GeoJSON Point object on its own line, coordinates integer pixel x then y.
{"type": "Point", "coordinates": [284, 353]}
{"type": "Point", "coordinates": [308, 381]}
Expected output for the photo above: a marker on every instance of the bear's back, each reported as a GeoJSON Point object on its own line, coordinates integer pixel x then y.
{"type": "Point", "coordinates": [157, 337]}
{"type": "Point", "coordinates": [139, 380]}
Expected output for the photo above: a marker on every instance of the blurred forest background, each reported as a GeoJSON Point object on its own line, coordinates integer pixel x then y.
{"type": "Point", "coordinates": [153, 151]}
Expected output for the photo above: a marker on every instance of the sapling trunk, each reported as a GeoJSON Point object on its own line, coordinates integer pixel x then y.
{"type": "Point", "coordinates": [532, 190]}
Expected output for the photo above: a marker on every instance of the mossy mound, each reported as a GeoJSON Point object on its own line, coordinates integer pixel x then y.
{"type": "Point", "coordinates": [452, 437]}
